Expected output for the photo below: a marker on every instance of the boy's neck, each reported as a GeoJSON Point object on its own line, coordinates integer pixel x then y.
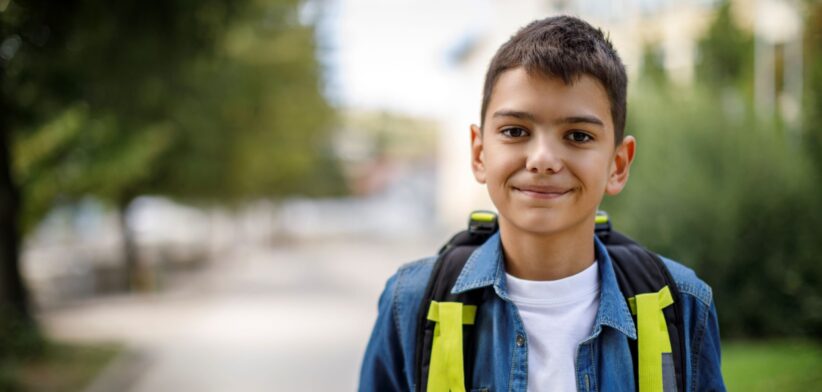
{"type": "Point", "coordinates": [533, 256]}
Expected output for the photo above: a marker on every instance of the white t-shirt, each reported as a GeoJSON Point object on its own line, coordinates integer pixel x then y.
{"type": "Point", "coordinates": [557, 316]}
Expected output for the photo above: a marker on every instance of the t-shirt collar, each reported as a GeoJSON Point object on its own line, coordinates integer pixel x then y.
{"type": "Point", "coordinates": [485, 267]}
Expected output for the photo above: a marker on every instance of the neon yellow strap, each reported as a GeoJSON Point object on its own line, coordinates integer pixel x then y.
{"type": "Point", "coordinates": [445, 372]}
{"type": "Point", "coordinates": [469, 312]}
{"type": "Point", "coordinates": [653, 337]}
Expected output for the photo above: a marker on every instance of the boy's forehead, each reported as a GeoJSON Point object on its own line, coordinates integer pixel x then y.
{"type": "Point", "coordinates": [537, 76]}
{"type": "Point", "coordinates": [516, 88]}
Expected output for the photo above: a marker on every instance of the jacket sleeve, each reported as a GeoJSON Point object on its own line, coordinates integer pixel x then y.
{"type": "Point", "coordinates": [382, 367]}
{"type": "Point", "coordinates": [708, 374]}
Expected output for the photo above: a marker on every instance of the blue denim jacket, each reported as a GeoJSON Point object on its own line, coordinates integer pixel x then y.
{"type": "Point", "coordinates": [603, 361]}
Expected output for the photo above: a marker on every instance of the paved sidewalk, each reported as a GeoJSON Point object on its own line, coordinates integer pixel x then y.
{"type": "Point", "coordinates": [293, 318]}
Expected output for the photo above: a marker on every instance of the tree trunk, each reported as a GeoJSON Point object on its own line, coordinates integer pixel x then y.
{"type": "Point", "coordinates": [135, 277]}
{"type": "Point", "coordinates": [14, 306]}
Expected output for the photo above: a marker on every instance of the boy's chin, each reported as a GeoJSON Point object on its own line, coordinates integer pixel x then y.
{"type": "Point", "coordinates": [541, 223]}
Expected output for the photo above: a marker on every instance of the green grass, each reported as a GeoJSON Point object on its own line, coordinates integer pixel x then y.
{"type": "Point", "coordinates": [772, 366]}
{"type": "Point", "coordinates": [59, 367]}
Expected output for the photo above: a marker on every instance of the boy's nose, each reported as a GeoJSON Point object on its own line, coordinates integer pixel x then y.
{"type": "Point", "coordinates": [543, 158]}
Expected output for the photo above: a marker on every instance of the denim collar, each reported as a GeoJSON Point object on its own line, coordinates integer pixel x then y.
{"type": "Point", "coordinates": [485, 268]}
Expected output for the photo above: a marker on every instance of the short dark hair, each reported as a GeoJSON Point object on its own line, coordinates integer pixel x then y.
{"type": "Point", "coordinates": [563, 47]}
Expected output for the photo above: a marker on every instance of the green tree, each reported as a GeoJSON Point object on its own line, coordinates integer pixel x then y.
{"type": "Point", "coordinates": [725, 53]}
{"type": "Point", "coordinates": [93, 88]}
{"type": "Point", "coordinates": [206, 100]}
{"type": "Point", "coordinates": [812, 89]}
{"type": "Point", "coordinates": [652, 66]}
{"type": "Point", "coordinates": [727, 194]}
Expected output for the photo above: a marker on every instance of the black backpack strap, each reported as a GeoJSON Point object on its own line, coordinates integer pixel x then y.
{"type": "Point", "coordinates": [640, 271]}
{"type": "Point", "coordinates": [452, 258]}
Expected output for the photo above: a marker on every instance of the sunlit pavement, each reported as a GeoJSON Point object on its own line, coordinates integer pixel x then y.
{"type": "Point", "coordinates": [293, 317]}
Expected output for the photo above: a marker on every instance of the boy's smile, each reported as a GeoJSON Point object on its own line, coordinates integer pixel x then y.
{"type": "Point", "coordinates": [547, 152]}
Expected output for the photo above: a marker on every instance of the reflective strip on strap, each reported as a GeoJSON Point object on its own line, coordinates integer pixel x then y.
{"type": "Point", "coordinates": [652, 332]}
{"type": "Point", "coordinates": [445, 372]}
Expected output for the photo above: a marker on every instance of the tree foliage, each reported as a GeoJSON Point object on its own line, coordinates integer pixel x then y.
{"type": "Point", "coordinates": [812, 89]}
{"type": "Point", "coordinates": [726, 53]}
{"type": "Point", "coordinates": [733, 197]}
{"type": "Point", "coordinates": [201, 100]}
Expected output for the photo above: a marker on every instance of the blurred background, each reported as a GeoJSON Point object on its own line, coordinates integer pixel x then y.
{"type": "Point", "coordinates": [209, 195]}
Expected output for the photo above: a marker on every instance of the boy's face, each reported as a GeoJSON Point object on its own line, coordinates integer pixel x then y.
{"type": "Point", "coordinates": [547, 152]}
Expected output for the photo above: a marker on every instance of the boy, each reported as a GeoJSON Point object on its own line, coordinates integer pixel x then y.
{"type": "Point", "coordinates": [549, 145]}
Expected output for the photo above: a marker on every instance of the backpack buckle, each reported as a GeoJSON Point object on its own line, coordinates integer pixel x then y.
{"type": "Point", "coordinates": [482, 223]}
{"type": "Point", "coordinates": [603, 224]}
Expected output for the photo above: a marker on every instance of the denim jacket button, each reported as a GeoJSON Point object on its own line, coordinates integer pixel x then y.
{"type": "Point", "coordinates": [520, 340]}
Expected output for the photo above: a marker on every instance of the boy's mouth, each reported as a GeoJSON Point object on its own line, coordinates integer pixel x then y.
{"type": "Point", "coordinates": [542, 192]}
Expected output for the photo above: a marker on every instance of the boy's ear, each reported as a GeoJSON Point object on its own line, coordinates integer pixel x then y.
{"type": "Point", "coordinates": [621, 166]}
{"type": "Point", "coordinates": [477, 155]}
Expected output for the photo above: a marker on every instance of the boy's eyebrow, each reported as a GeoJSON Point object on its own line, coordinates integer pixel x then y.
{"type": "Point", "coordinates": [515, 113]}
{"type": "Point", "coordinates": [582, 119]}
{"type": "Point", "coordinates": [567, 120]}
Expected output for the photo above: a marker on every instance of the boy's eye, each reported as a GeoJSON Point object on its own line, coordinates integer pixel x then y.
{"type": "Point", "coordinates": [514, 132]}
{"type": "Point", "coordinates": [579, 137]}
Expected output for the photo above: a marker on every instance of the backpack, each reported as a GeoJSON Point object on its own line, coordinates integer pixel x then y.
{"type": "Point", "coordinates": [445, 334]}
